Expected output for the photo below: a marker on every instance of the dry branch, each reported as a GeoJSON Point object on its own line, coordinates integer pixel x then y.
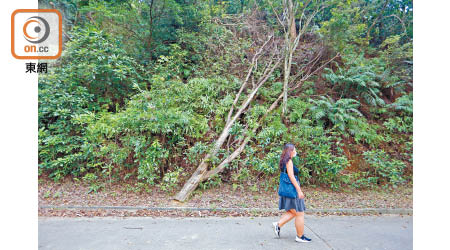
{"type": "Point", "coordinates": [241, 147]}
{"type": "Point", "coordinates": [197, 176]}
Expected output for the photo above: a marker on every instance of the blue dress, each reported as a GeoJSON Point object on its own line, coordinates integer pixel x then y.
{"type": "Point", "coordinates": [292, 203]}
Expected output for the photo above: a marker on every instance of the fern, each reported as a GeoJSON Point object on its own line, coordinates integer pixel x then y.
{"type": "Point", "coordinates": [404, 104]}
{"type": "Point", "coordinates": [340, 113]}
{"type": "Point", "coordinates": [360, 79]}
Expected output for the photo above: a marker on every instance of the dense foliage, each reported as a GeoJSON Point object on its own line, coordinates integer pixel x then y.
{"type": "Point", "coordinates": [143, 89]}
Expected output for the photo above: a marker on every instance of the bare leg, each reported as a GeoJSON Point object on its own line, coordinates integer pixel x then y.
{"type": "Point", "coordinates": [286, 217]}
{"type": "Point", "coordinates": [299, 223]}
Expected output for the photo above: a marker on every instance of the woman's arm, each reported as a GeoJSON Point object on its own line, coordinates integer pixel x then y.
{"type": "Point", "coordinates": [290, 172]}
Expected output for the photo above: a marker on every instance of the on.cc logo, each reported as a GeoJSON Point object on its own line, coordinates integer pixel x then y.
{"type": "Point", "coordinates": [37, 29]}
{"type": "Point", "coordinates": [36, 34]}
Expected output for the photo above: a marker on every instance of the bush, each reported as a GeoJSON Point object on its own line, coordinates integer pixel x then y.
{"type": "Point", "coordinates": [388, 171]}
{"type": "Point", "coordinates": [211, 51]}
{"type": "Point", "coordinates": [95, 75]}
{"type": "Point", "coordinates": [363, 131]}
{"type": "Point", "coordinates": [318, 163]}
{"type": "Point", "coordinates": [340, 113]}
{"type": "Point", "coordinates": [399, 124]}
{"type": "Point", "coordinates": [362, 180]}
{"type": "Point", "coordinates": [320, 158]}
{"type": "Point", "coordinates": [150, 162]}
{"type": "Point", "coordinates": [148, 132]}
{"type": "Point", "coordinates": [358, 78]}
{"type": "Point", "coordinates": [269, 164]}
{"type": "Point", "coordinates": [96, 61]}
{"type": "Point", "coordinates": [60, 138]}
{"type": "Point", "coordinates": [170, 179]}
{"type": "Point", "coordinates": [404, 104]}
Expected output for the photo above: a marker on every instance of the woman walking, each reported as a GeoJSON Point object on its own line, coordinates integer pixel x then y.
{"type": "Point", "coordinates": [295, 207]}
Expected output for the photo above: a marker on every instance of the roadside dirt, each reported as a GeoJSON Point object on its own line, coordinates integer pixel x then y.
{"type": "Point", "coordinates": [74, 193]}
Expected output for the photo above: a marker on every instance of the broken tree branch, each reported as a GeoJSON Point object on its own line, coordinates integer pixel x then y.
{"type": "Point", "coordinates": [241, 147]}
{"type": "Point", "coordinates": [250, 70]}
{"type": "Point", "coordinates": [197, 176]}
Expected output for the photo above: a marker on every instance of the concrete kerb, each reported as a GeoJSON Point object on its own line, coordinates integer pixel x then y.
{"type": "Point", "coordinates": [355, 211]}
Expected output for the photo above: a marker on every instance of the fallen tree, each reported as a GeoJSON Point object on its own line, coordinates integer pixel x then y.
{"type": "Point", "coordinates": [309, 69]}
{"type": "Point", "coordinates": [196, 177]}
{"type": "Point", "coordinates": [241, 147]}
{"type": "Point", "coordinates": [201, 174]}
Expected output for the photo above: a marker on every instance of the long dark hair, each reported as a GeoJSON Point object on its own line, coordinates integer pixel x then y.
{"type": "Point", "coordinates": [286, 154]}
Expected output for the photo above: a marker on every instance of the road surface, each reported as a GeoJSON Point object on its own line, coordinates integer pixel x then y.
{"type": "Point", "coordinates": [134, 233]}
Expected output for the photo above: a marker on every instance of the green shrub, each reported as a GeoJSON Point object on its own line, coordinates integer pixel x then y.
{"type": "Point", "coordinates": [363, 131]}
{"type": "Point", "coordinates": [208, 52]}
{"type": "Point", "coordinates": [95, 74]}
{"type": "Point", "coordinates": [398, 56]}
{"type": "Point", "coordinates": [268, 165]}
{"type": "Point", "coordinates": [404, 104]}
{"type": "Point", "coordinates": [150, 161]}
{"type": "Point", "coordinates": [194, 154]}
{"type": "Point", "coordinates": [212, 182]}
{"type": "Point", "coordinates": [323, 166]}
{"type": "Point", "coordinates": [271, 133]}
{"type": "Point", "coordinates": [358, 78]}
{"type": "Point", "coordinates": [362, 180]}
{"type": "Point", "coordinates": [399, 124]}
{"type": "Point", "coordinates": [91, 179]}
{"type": "Point", "coordinates": [60, 139]}
{"type": "Point", "coordinates": [147, 132]}
{"type": "Point", "coordinates": [95, 60]}
{"type": "Point", "coordinates": [340, 113]}
{"type": "Point", "coordinates": [390, 171]}
{"type": "Point", "coordinates": [320, 158]}
{"type": "Point", "coordinates": [170, 179]}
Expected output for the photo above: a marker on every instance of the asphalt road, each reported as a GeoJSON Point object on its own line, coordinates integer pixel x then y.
{"type": "Point", "coordinates": [133, 233]}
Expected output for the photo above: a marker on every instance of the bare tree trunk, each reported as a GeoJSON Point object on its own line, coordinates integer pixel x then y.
{"type": "Point", "coordinates": [250, 70]}
{"type": "Point", "coordinates": [291, 40]}
{"type": "Point", "coordinates": [292, 29]}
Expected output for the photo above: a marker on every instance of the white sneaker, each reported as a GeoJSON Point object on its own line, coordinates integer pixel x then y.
{"type": "Point", "coordinates": [302, 239]}
{"type": "Point", "coordinates": [276, 229]}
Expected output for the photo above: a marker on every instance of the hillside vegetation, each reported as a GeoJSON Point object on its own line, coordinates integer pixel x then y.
{"type": "Point", "coordinates": [186, 94]}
